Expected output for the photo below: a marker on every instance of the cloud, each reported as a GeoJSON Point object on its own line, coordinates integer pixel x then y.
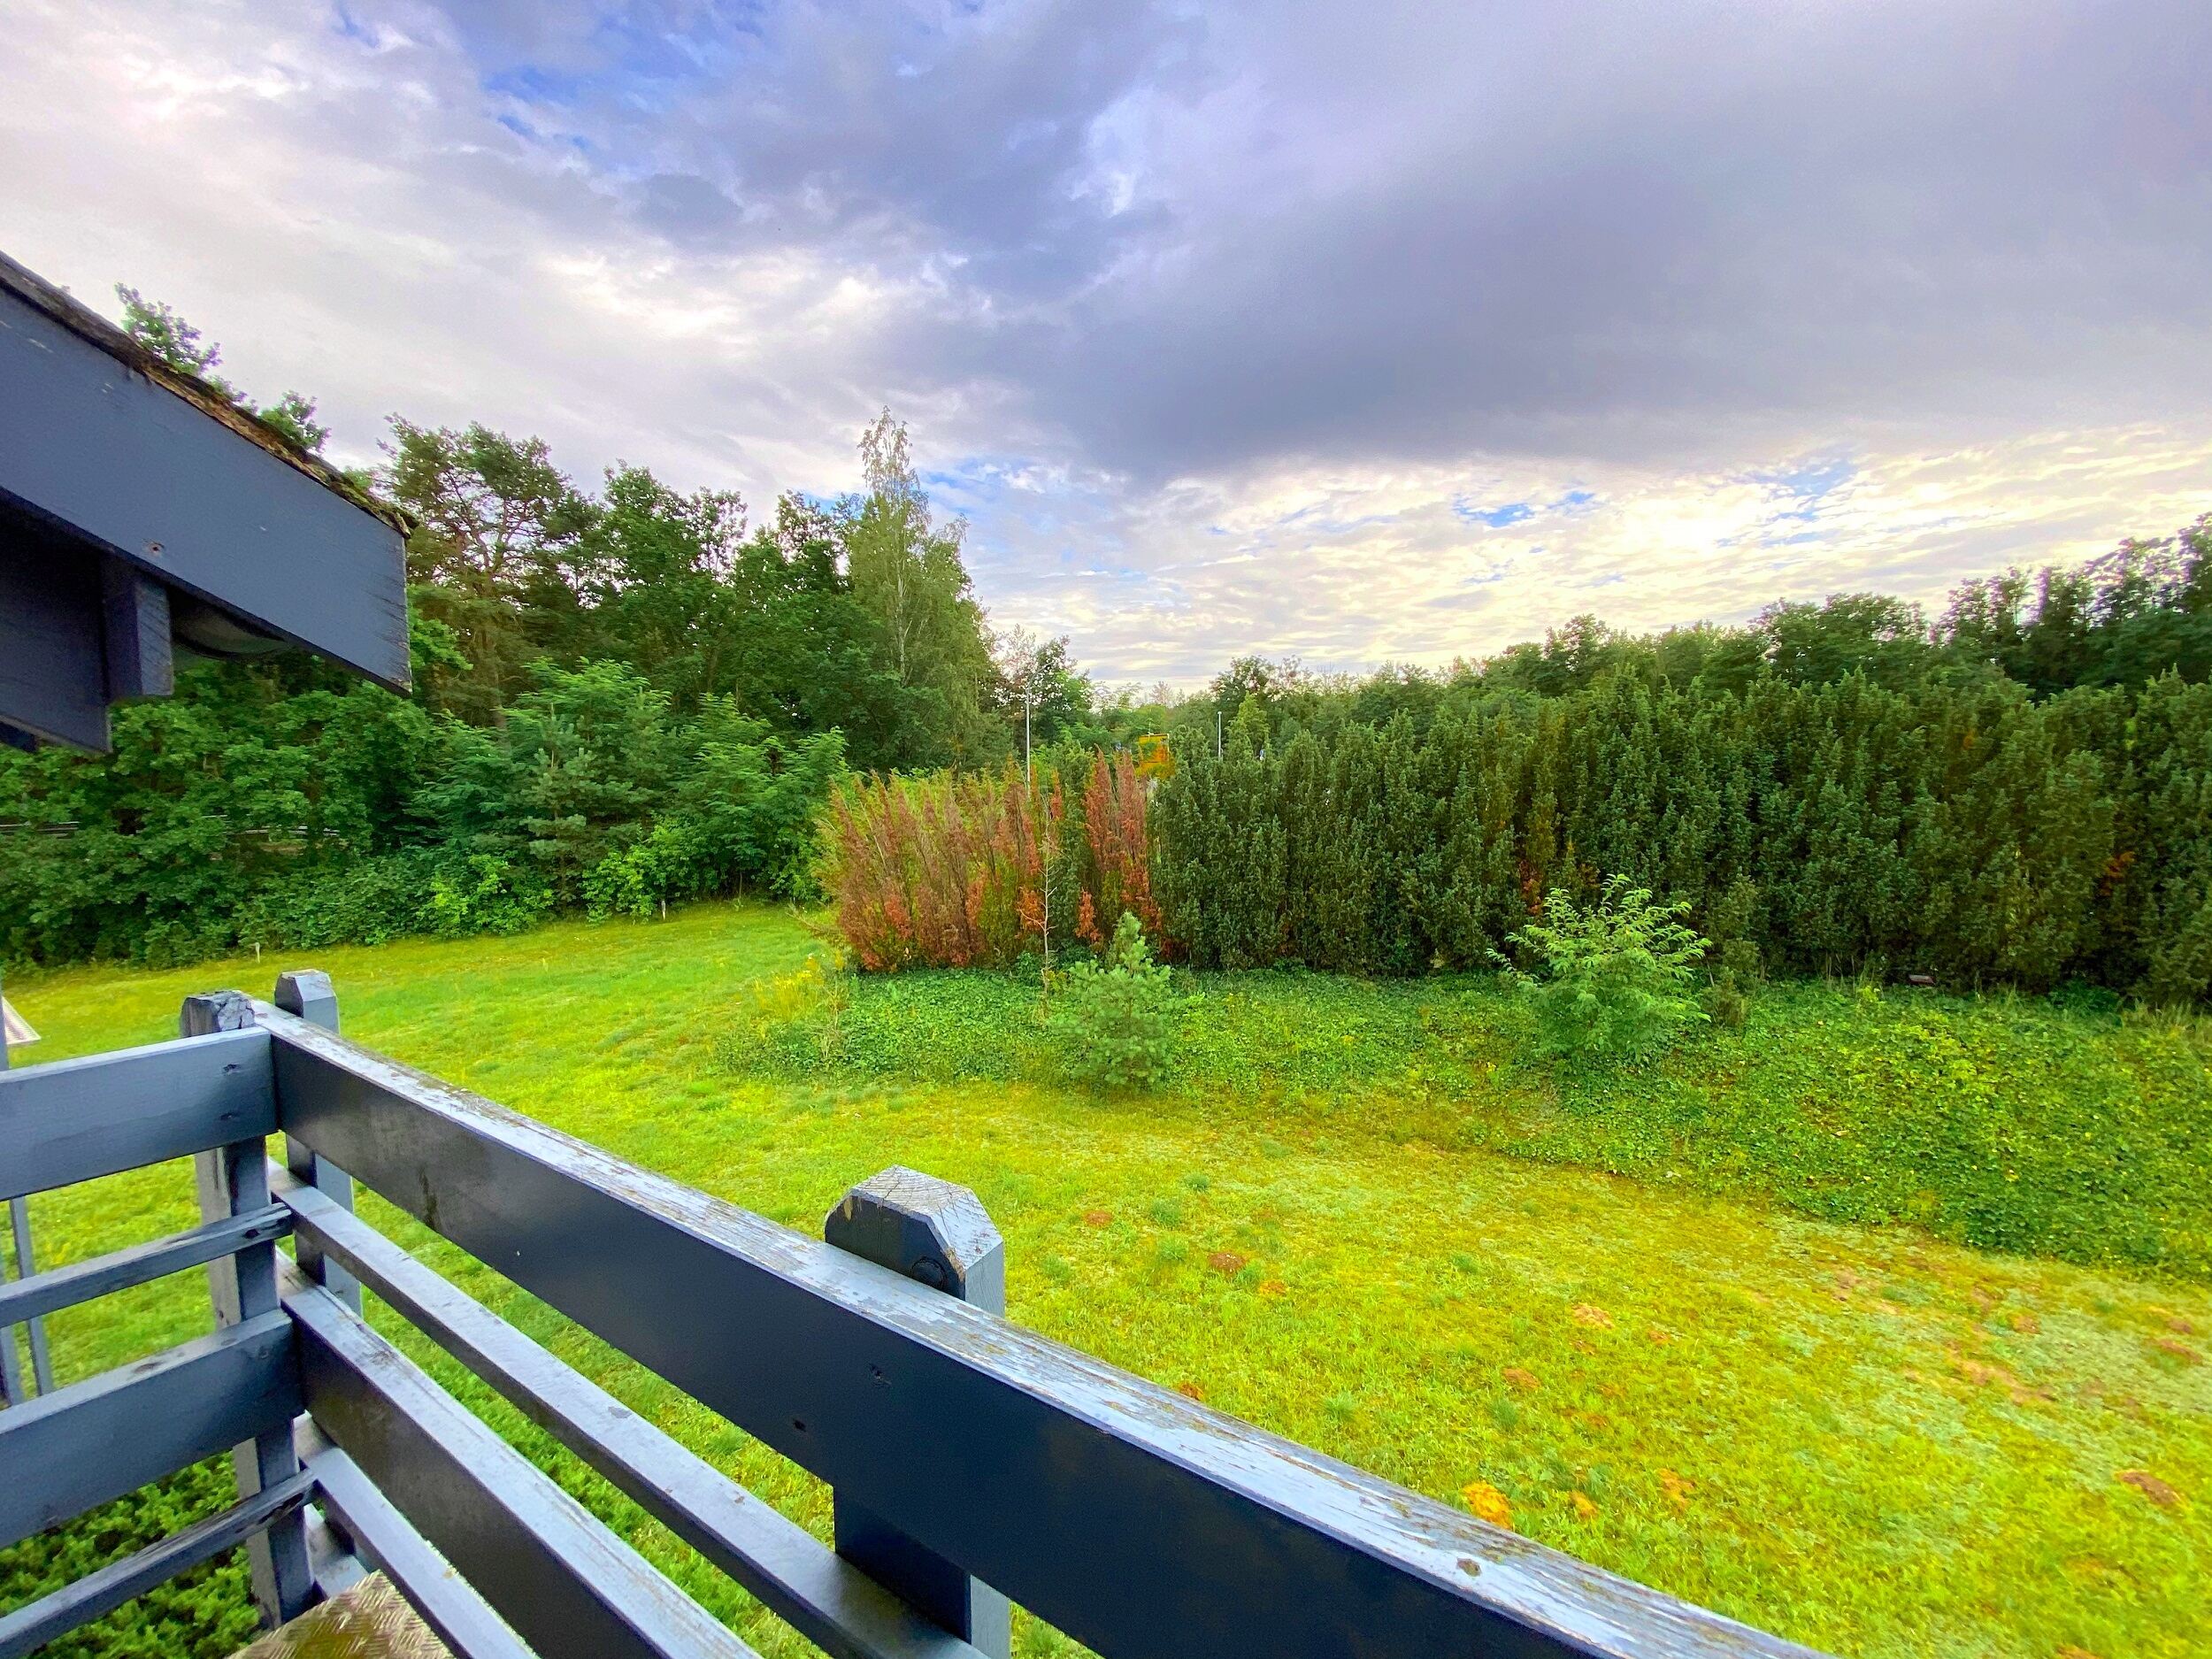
{"type": "Point", "coordinates": [1261, 327]}
{"type": "Point", "coordinates": [1633, 231]}
{"type": "Point", "coordinates": [1356, 565]}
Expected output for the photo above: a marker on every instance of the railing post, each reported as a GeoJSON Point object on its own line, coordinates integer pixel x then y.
{"type": "Point", "coordinates": [307, 993]}
{"type": "Point", "coordinates": [11, 1392]}
{"type": "Point", "coordinates": [27, 1264]}
{"type": "Point", "coordinates": [232, 1180]}
{"type": "Point", "coordinates": [940, 1234]}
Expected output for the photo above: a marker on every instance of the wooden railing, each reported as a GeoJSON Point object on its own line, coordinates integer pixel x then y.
{"type": "Point", "coordinates": [968, 1457]}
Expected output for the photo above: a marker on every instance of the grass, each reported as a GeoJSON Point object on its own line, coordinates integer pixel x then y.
{"type": "Point", "coordinates": [1867, 1438]}
{"type": "Point", "coordinates": [2032, 1124]}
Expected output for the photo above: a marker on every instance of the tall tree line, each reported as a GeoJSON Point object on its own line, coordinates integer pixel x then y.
{"type": "Point", "coordinates": [622, 695]}
{"type": "Point", "coordinates": [2119, 620]}
{"type": "Point", "coordinates": [857, 614]}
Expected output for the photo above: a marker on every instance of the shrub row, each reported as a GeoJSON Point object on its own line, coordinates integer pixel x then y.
{"type": "Point", "coordinates": [1968, 832]}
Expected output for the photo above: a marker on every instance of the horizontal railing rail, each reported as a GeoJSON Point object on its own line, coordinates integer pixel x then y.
{"type": "Point", "coordinates": [76, 1120]}
{"type": "Point", "coordinates": [60, 1287]}
{"type": "Point", "coordinates": [94, 1441]}
{"type": "Point", "coordinates": [962, 1450]}
{"type": "Point", "coordinates": [827, 1600]}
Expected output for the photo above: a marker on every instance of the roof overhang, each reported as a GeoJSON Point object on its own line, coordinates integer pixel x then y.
{"type": "Point", "coordinates": [141, 514]}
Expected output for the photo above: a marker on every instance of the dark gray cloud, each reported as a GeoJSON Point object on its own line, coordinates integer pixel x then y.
{"type": "Point", "coordinates": [1191, 239]}
{"type": "Point", "coordinates": [1860, 215]}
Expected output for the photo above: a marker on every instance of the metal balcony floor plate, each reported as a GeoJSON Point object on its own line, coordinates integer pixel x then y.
{"type": "Point", "coordinates": [370, 1621]}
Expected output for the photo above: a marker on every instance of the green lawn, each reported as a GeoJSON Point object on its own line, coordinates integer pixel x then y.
{"type": "Point", "coordinates": [1362, 1222]}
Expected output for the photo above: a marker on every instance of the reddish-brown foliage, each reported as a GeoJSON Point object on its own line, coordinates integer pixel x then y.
{"type": "Point", "coordinates": [943, 871]}
{"type": "Point", "coordinates": [1120, 874]}
{"type": "Point", "coordinates": [960, 870]}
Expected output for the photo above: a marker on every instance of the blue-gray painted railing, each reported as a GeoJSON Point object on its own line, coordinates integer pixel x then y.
{"type": "Point", "coordinates": [16, 1387]}
{"type": "Point", "coordinates": [972, 1461]}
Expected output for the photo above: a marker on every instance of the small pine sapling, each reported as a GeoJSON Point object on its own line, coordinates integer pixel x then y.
{"type": "Point", "coordinates": [1117, 1015]}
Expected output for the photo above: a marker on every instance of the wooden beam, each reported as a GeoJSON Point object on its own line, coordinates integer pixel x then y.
{"type": "Point", "coordinates": [306, 993]}
{"type": "Point", "coordinates": [53, 678]}
{"type": "Point", "coordinates": [97, 1440]}
{"type": "Point", "coordinates": [205, 505]}
{"type": "Point", "coordinates": [135, 632]}
{"type": "Point", "coordinates": [937, 1235]}
{"type": "Point", "coordinates": [72, 1120]}
{"type": "Point", "coordinates": [233, 1180]}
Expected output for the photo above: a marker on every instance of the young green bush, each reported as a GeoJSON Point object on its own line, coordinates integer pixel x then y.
{"type": "Point", "coordinates": [1725, 1001]}
{"type": "Point", "coordinates": [484, 893]}
{"type": "Point", "coordinates": [1117, 1015]}
{"type": "Point", "coordinates": [1618, 976]}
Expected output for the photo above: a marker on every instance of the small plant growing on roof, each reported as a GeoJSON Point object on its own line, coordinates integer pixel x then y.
{"type": "Point", "coordinates": [1618, 978]}
{"type": "Point", "coordinates": [1117, 1015]}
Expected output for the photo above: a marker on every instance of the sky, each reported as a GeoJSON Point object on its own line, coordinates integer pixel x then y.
{"type": "Point", "coordinates": [1363, 333]}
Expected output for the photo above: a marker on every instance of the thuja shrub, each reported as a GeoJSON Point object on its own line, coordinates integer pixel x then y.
{"type": "Point", "coordinates": [952, 871]}
{"type": "Point", "coordinates": [982, 870]}
{"type": "Point", "coordinates": [1967, 831]}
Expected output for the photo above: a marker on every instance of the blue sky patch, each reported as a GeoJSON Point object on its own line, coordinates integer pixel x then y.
{"type": "Point", "coordinates": [1807, 484]}
{"type": "Point", "coordinates": [1511, 512]}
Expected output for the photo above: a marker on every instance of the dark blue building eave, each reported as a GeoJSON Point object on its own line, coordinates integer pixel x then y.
{"type": "Point", "coordinates": [139, 515]}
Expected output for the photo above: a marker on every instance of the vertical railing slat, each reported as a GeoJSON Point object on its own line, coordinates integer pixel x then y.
{"type": "Point", "coordinates": [11, 1389]}
{"type": "Point", "coordinates": [10, 1378]}
{"type": "Point", "coordinates": [307, 993]}
{"type": "Point", "coordinates": [235, 1180]}
{"type": "Point", "coordinates": [27, 1264]}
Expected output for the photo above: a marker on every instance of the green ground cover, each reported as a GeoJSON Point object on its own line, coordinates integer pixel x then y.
{"type": "Point", "coordinates": [1359, 1219]}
